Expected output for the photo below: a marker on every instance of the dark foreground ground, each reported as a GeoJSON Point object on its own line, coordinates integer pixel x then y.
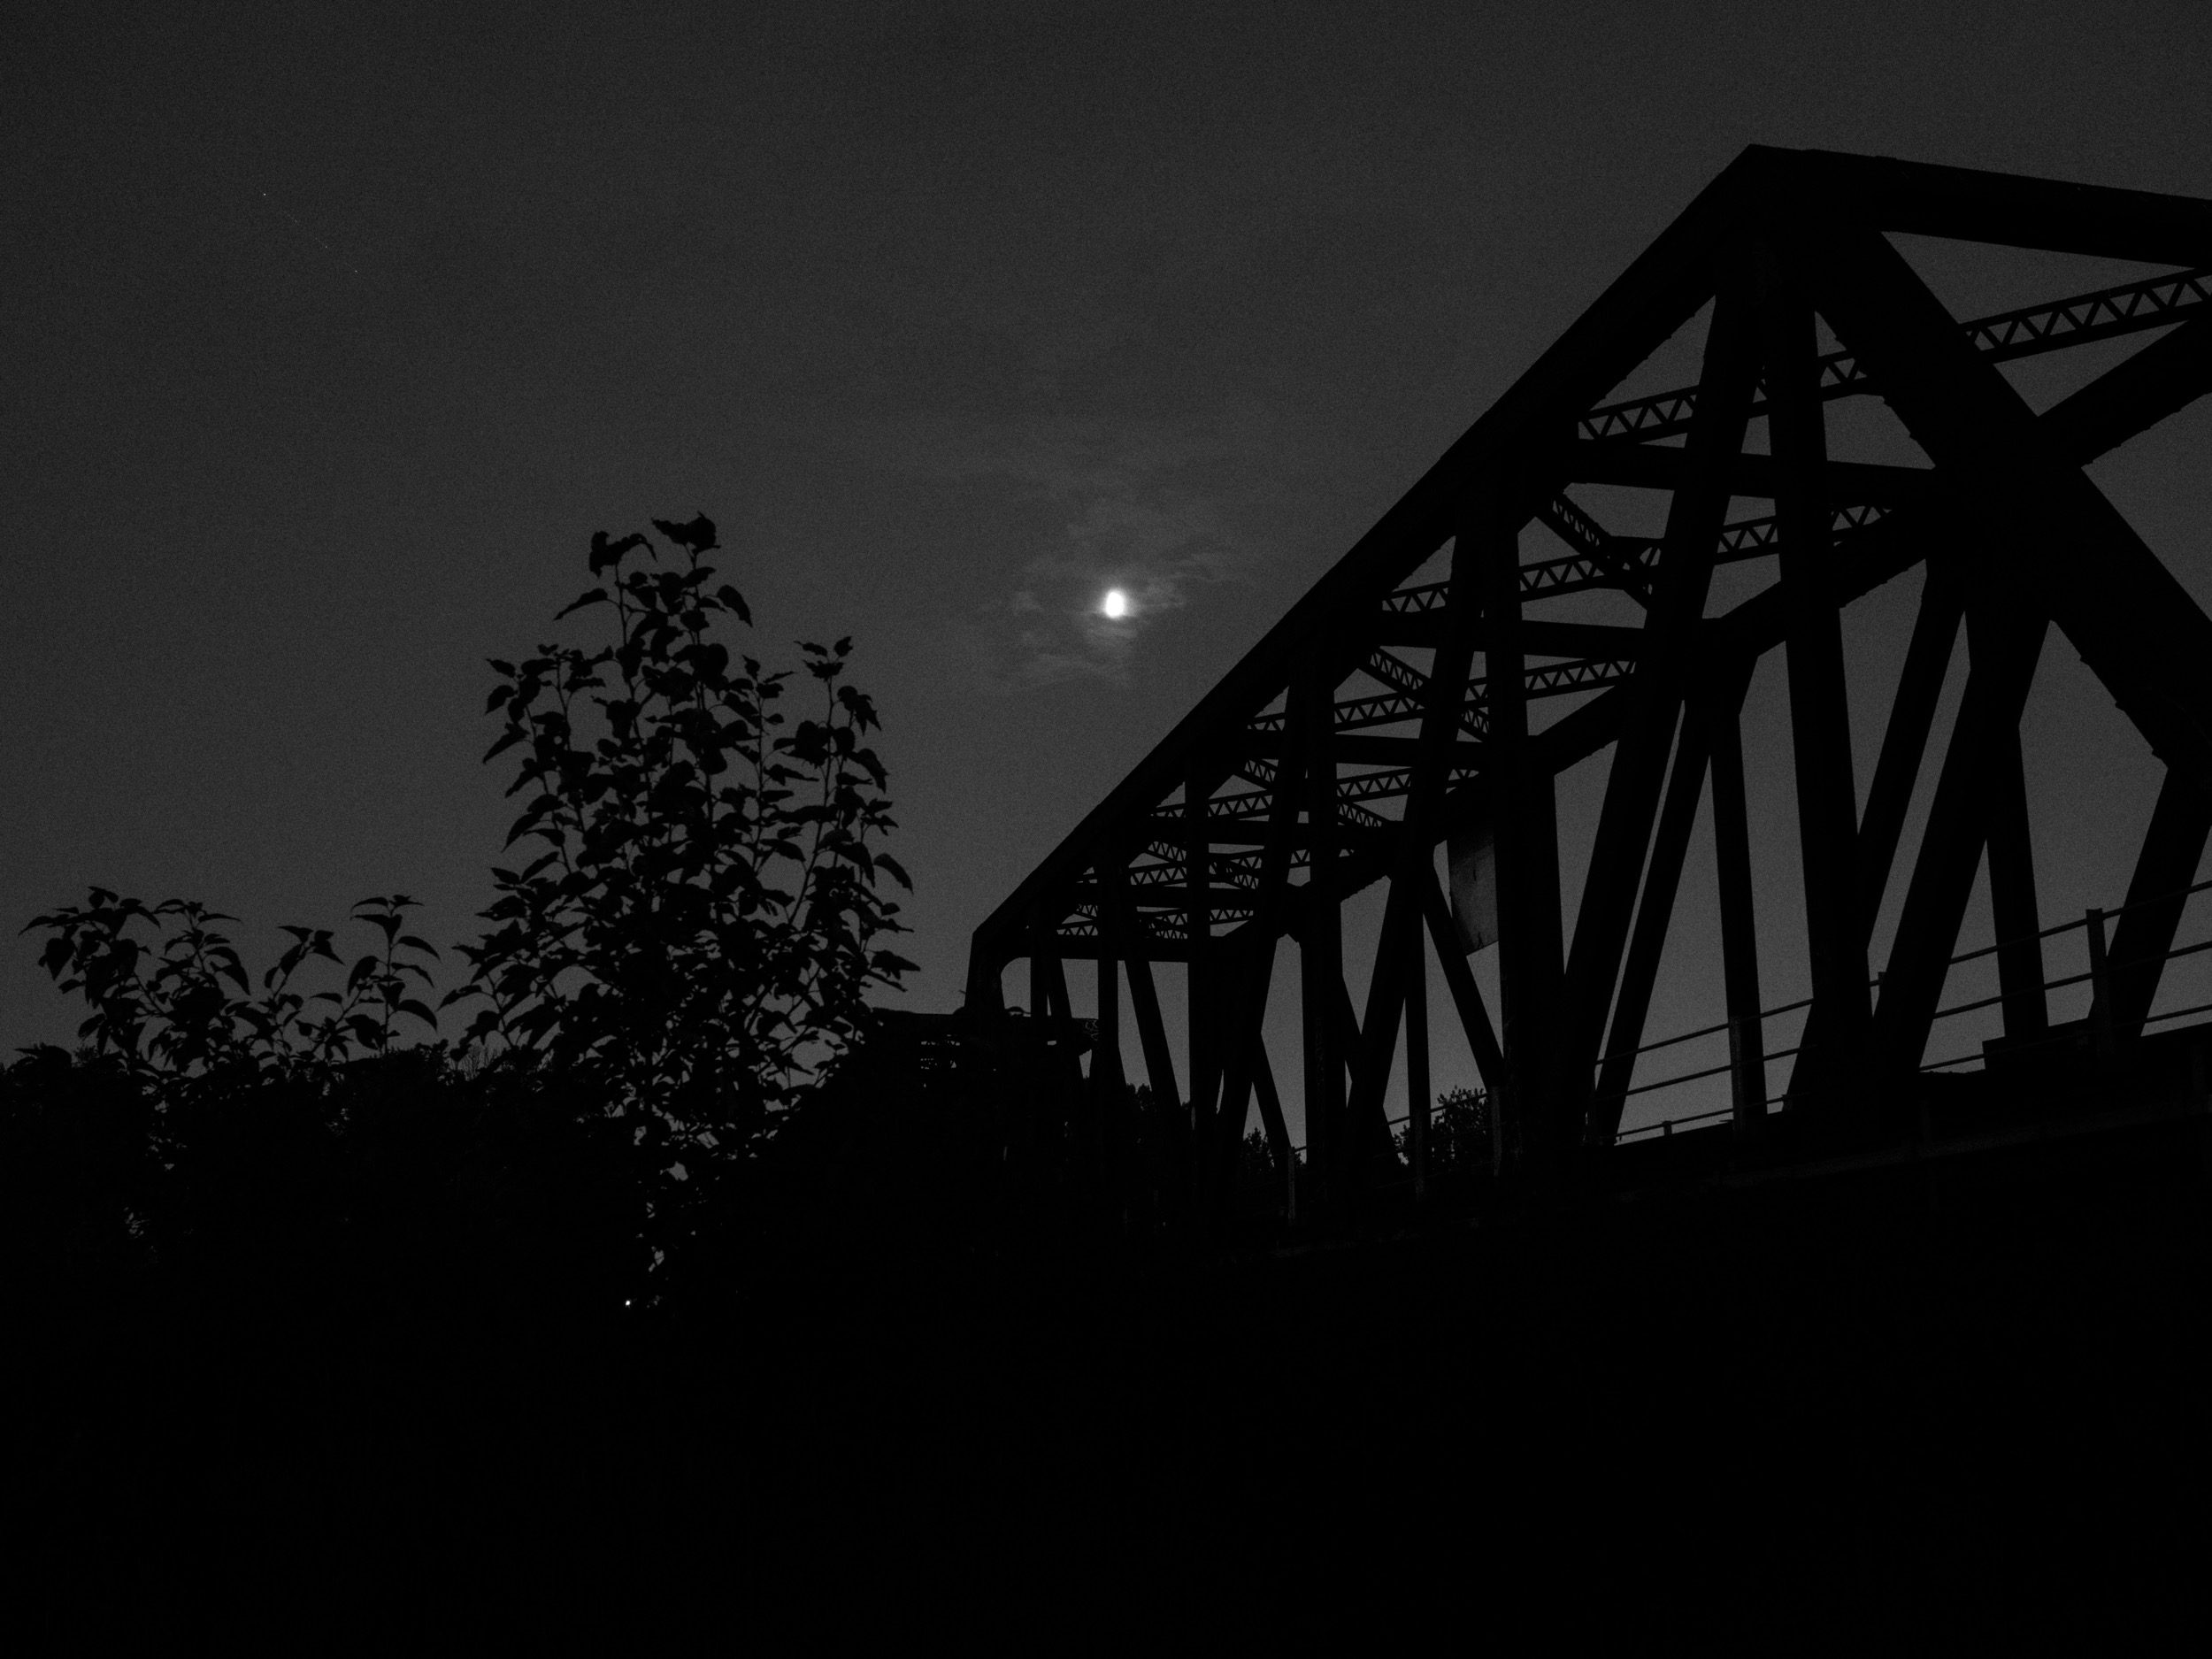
{"type": "Point", "coordinates": [1876, 1407]}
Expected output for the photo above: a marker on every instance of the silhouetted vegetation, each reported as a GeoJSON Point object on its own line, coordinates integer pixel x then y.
{"type": "Point", "coordinates": [1460, 1143]}
{"type": "Point", "coordinates": [687, 947]}
{"type": "Point", "coordinates": [677, 1295]}
{"type": "Point", "coordinates": [695, 928]}
{"type": "Point", "coordinates": [292, 1206]}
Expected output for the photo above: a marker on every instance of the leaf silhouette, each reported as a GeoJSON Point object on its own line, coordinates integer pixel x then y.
{"type": "Point", "coordinates": [697, 536]}
{"type": "Point", "coordinates": [605, 553]}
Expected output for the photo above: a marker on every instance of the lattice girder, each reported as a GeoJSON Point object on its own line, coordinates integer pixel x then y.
{"type": "Point", "coordinates": [1331, 759]}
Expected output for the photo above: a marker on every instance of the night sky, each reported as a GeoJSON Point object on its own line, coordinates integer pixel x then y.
{"type": "Point", "coordinates": [328, 344]}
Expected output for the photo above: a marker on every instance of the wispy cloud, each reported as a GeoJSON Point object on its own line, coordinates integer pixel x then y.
{"type": "Point", "coordinates": [1155, 510]}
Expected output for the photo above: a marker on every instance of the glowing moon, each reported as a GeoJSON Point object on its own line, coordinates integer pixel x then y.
{"type": "Point", "coordinates": [1117, 604]}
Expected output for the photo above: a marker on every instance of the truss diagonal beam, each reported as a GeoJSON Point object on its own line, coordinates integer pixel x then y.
{"type": "Point", "coordinates": [1912, 717]}
{"type": "Point", "coordinates": [1417, 837]}
{"type": "Point", "coordinates": [1653, 697]}
{"type": "Point", "coordinates": [2134, 625]}
{"type": "Point", "coordinates": [1820, 734]}
{"type": "Point", "coordinates": [1653, 916]}
{"type": "Point", "coordinates": [2167, 866]}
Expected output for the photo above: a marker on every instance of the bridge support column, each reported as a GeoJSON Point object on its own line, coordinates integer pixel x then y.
{"type": "Point", "coordinates": [1245, 1070]}
{"type": "Point", "coordinates": [1739, 930]}
{"type": "Point", "coordinates": [1398, 949]}
{"type": "Point", "coordinates": [1459, 978]}
{"type": "Point", "coordinates": [1669, 846]}
{"type": "Point", "coordinates": [1652, 715]}
{"type": "Point", "coordinates": [2172, 848]}
{"type": "Point", "coordinates": [1418, 1096]}
{"type": "Point", "coordinates": [1144, 997]}
{"type": "Point", "coordinates": [1529, 946]}
{"type": "Point", "coordinates": [1950, 848]}
{"type": "Point", "coordinates": [1109, 1091]}
{"type": "Point", "coordinates": [1935, 632]}
{"type": "Point", "coordinates": [1820, 724]}
{"type": "Point", "coordinates": [1321, 943]}
{"type": "Point", "coordinates": [2013, 910]}
{"type": "Point", "coordinates": [1202, 997]}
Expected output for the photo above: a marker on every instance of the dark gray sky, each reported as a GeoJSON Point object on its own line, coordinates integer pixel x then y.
{"type": "Point", "coordinates": [329, 342]}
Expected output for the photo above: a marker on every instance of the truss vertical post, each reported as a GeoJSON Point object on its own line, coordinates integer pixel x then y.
{"type": "Point", "coordinates": [1278, 1131]}
{"type": "Point", "coordinates": [1321, 938]}
{"type": "Point", "coordinates": [1048, 981]}
{"type": "Point", "coordinates": [1950, 848]}
{"type": "Point", "coordinates": [1459, 978]}
{"type": "Point", "coordinates": [1935, 632]}
{"type": "Point", "coordinates": [1109, 1091]}
{"type": "Point", "coordinates": [1655, 693]}
{"type": "Point", "coordinates": [1032, 930]}
{"type": "Point", "coordinates": [1527, 846]}
{"type": "Point", "coordinates": [1414, 857]}
{"type": "Point", "coordinates": [1144, 997]}
{"type": "Point", "coordinates": [2100, 985]}
{"type": "Point", "coordinates": [985, 990]}
{"type": "Point", "coordinates": [1820, 722]}
{"type": "Point", "coordinates": [1363, 1133]}
{"type": "Point", "coordinates": [1201, 1000]}
{"type": "Point", "coordinates": [1348, 1040]}
{"type": "Point", "coordinates": [2012, 893]}
{"type": "Point", "coordinates": [1159, 1059]}
{"type": "Point", "coordinates": [1669, 846]}
{"type": "Point", "coordinates": [1061, 1082]}
{"type": "Point", "coordinates": [1244, 1005]}
{"type": "Point", "coordinates": [1739, 929]}
{"type": "Point", "coordinates": [1418, 1095]}
{"type": "Point", "coordinates": [1106, 1058]}
{"type": "Point", "coordinates": [1247, 962]}
{"type": "Point", "coordinates": [2167, 866]}
{"type": "Point", "coordinates": [1904, 745]}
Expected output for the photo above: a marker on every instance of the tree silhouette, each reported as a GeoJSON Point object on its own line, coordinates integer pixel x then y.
{"type": "Point", "coordinates": [696, 928]}
{"type": "Point", "coordinates": [686, 950]}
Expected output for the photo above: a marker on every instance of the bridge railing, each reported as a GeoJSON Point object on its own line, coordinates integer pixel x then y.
{"type": "Point", "coordinates": [2092, 924]}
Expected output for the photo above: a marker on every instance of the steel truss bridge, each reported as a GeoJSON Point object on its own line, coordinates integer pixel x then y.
{"type": "Point", "coordinates": [1381, 716]}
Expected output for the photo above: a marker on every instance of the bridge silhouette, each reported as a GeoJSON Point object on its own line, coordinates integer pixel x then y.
{"type": "Point", "coordinates": [1399, 710]}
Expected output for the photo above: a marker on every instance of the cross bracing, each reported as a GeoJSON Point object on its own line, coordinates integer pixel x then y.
{"type": "Point", "coordinates": [2104, 315]}
{"type": "Point", "coordinates": [1390, 709]}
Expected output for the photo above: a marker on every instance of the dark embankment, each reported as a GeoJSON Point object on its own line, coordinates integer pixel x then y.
{"type": "Point", "coordinates": [389, 1375]}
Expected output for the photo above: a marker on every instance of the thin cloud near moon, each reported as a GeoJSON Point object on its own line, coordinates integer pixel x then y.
{"type": "Point", "coordinates": [1150, 513]}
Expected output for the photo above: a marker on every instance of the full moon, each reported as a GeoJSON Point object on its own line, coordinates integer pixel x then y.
{"type": "Point", "coordinates": [1117, 605]}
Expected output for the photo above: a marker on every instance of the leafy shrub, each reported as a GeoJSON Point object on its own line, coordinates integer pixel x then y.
{"type": "Point", "coordinates": [696, 928]}
{"type": "Point", "coordinates": [1459, 1133]}
{"type": "Point", "coordinates": [176, 1010]}
{"type": "Point", "coordinates": [686, 949]}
